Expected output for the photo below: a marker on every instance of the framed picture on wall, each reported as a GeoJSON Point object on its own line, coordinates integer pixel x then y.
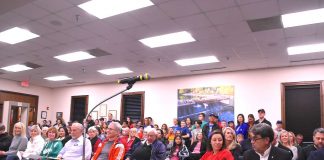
{"type": "Point", "coordinates": [103, 110]}
{"type": "Point", "coordinates": [43, 115]}
{"type": "Point", "coordinates": [114, 113]}
{"type": "Point", "coordinates": [59, 114]}
{"type": "Point", "coordinates": [94, 115]}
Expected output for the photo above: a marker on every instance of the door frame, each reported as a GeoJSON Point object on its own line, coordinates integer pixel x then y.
{"type": "Point", "coordinates": [142, 93]}
{"type": "Point", "coordinates": [302, 83]}
{"type": "Point", "coordinates": [86, 104]}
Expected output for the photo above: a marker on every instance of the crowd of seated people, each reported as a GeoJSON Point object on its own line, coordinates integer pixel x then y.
{"type": "Point", "coordinates": [185, 140]}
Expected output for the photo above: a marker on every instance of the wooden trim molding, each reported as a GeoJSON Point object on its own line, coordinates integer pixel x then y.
{"type": "Point", "coordinates": [142, 105]}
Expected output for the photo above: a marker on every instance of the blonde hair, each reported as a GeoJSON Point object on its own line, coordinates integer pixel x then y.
{"type": "Point", "coordinates": [283, 132]}
{"type": "Point", "coordinates": [23, 129]}
{"type": "Point", "coordinates": [233, 143]}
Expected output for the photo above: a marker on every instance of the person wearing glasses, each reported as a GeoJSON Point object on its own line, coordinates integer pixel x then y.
{"type": "Point", "coordinates": [261, 138]}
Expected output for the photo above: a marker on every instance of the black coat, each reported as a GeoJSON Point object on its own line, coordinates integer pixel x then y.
{"type": "Point", "coordinates": [316, 155]}
{"type": "Point", "coordinates": [5, 142]}
{"type": "Point", "coordinates": [205, 130]}
{"type": "Point", "coordinates": [264, 121]}
{"type": "Point", "coordinates": [275, 154]}
{"type": "Point", "coordinates": [306, 151]}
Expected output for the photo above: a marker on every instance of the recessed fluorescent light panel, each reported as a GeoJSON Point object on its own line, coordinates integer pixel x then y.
{"type": "Point", "coordinates": [303, 18]}
{"type": "Point", "coordinates": [303, 49]}
{"type": "Point", "coordinates": [168, 39]}
{"type": "Point", "coordinates": [16, 35]}
{"type": "Point", "coordinates": [75, 56]}
{"type": "Point", "coordinates": [16, 68]}
{"type": "Point", "coordinates": [196, 61]}
{"type": "Point", "coordinates": [107, 8]}
{"type": "Point", "coordinates": [58, 78]}
{"type": "Point", "coordinates": [113, 71]}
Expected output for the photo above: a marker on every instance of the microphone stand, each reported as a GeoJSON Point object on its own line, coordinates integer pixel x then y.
{"type": "Point", "coordinates": [130, 85]}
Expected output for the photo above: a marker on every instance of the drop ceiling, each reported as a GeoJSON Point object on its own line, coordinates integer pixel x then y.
{"type": "Point", "coordinates": [220, 27]}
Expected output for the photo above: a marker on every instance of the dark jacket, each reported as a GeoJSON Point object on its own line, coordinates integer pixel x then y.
{"type": "Point", "coordinates": [275, 154]}
{"type": "Point", "coordinates": [203, 147]}
{"type": "Point", "coordinates": [286, 148]}
{"type": "Point", "coordinates": [5, 141]}
{"type": "Point", "coordinates": [236, 151]}
{"type": "Point", "coordinates": [158, 151]}
{"type": "Point", "coordinates": [264, 121]}
{"type": "Point", "coordinates": [246, 145]}
{"type": "Point", "coordinates": [307, 150]}
{"type": "Point", "coordinates": [205, 130]}
{"type": "Point", "coordinates": [316, 155]}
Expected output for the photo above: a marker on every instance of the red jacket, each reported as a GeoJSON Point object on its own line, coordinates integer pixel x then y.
{"type": "Point", "coordinates": [117, 150]}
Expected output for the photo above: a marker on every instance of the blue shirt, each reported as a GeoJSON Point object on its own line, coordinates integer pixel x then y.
{"type": "Point", "coordinates": [242, 129]}
{"type": "Point", "coordinates": [73, 149]}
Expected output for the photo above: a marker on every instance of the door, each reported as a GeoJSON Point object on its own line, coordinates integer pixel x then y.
{"type": "Point", "coordinates": [79, 108]}
{"type": "Point", "coordinates": [302, 108]}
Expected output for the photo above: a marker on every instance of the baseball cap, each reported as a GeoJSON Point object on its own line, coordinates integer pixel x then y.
{"type": "Point", "coordinates": [261, 110]}
{"type": "Point", "coordinates": [279, 122]}
{"type": "Point", "coordinates": [213, 115]}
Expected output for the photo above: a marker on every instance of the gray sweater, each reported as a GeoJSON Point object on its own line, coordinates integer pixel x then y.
{"type": "Point", "coordinates": [18, 143]}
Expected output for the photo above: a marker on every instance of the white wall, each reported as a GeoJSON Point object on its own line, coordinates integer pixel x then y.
{"type": "Point", "coordinates": [43, 93]}
{"type": "Point", "coordinates": [254, 89]}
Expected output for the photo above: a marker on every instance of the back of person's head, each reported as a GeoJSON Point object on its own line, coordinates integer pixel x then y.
{"type": "Point", "coordinates": [264, 130]}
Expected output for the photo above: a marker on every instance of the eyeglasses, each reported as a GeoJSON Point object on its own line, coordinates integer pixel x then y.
{"type": "Point", "coordinates": [254, 139]}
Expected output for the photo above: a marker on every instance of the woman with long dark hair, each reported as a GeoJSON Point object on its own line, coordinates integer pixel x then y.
{"type": "Point", "coordinates": [178, 151]}
{"type": "Point", "coordinates": [216, 148]}
{"type": "Point", "coordinates": [242, 127]}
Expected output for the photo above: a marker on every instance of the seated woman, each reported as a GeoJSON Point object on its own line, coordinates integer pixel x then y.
{"type": "Point", "coordinates": [198, 147]}
{"type": "Point", "coordinates": [179, 150]}
{"type": "Point", "coordinates": [53, 145]}
{"type": "Point", "coordinates": [132, 139]}
{"type": "Point", "coordinates": [284, 140]}
{"type": "Point", "coordinates": [216, 148]}
{"type": "Point", "coordinates": [35, 143]}
{"type": "Point", "coordinates": [19, 142]}
{"type": "Point", "coordinates": [93, 137]}
{"type": "Point", "coordinates": [63, 135]}
{"type": "Point", "coordinates": [231, 144]}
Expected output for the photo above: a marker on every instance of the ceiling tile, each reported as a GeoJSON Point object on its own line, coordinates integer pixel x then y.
{"type": "Point", "coordinates": [31, 11]}
{"type": "Point", "coordinates": [59, 37]}
{"type": "Point", "coordinates": [261, 9]}
{"type": "Point", "coordinates": [300, 31]}
{"type": "Point", "coordinates": [173, 7]}
{"type": "Point", "coordinates": [76, 16]}
{"type": "Point", "coordinates": [209, 5]}
{"type": "Point", "coordinates": [291, 6]}
{"type": "Point", "coordinates": [122, 21]}
{"type": "Point", "coordinates": [242, 2]}
{"type": "Point", "coordinates": [234, 28]}
{"type": "Point", "coordinates": [55, 22]}
{"type": "Point", "coordinates": [224, 16]}
{"type": "Point", "coordinates": [194, 21]}
{"type": "Point", "coordinates": [149, 15]}
{"type": "Point", "coordinates": [53, 6]}
{"type": "Point", "coordinates": [78, 33]}
{"type": "Point", "coordinates": [10, 20]}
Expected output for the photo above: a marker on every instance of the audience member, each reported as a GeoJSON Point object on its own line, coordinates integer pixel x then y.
{"type": "Point", "coordinates": [198, 147]}
{"type": "Point", "coordinates": [5, 140]}
{"type": "Point", "coordinates": [161, 138]}
{"type": "Point", "coordinates": [111, 148]}
{"type": "Point", "coordinates": [189, 123]}
{"type": "Point", "coordinates": [251, 120]}
{"type": "Point", "coordinates": [231, 144]}
{"type": "Point", "coordinates": [18, 143]}
{"type": "Point", "coordinates": [93, 137]}
{"type": "Point", "coordinates": [216, 148]}
{"type": "Point", "coordinates": [170, 136]}
{"type": "Point", "coordinates": [53, 146]}
{"type": "Point", "coordinates": [223, 124]}
{"type": "Point", "coordinates": [73, 149]}
{"type": "Point", "coordinates": [176, 124]}
{"type": "Point", "coordinates": [44, 132]}
{"type": "Point", "coordinates": [195, 131]}
{"type": "Point", "coordinates": [148, 149]}
{"type": "Point", "coordinates": [279, 126]}
{"type": "Point", "coordinates": [110, 119]}
{"type": "Point", "coordinates": [284, 140]}
{"type": "Point", "coordinates": [211, 126]}
{"type": "Point", "coordinates": [63, 135]}
{"type": "Point", "coordinates": [318, 138]}
{"type": "Point", "coordinates": [300, 138]}
{"type": "Point", "coordinates": [59, 123]}
{"type": "Point", "coordinates": [242, 127]}
{"type": "Point", "coordinates": [261, 138]}
{"type": "Point", "coordinates": [185, 133]}
{"type": "Point", "coordinates": [275, 142]}
{"type": "Point", "coordinates": [35, 143]}
{"type": "Point", "coordinates": [240, 138]}
{"type": "Point", "coordinates": [179, 150]}
{"type": "Point", "coordinates": [132, 139]}
{"type": "Point", "coordinates": [262, 119]}
{"type": "Point", "coordinates": [231, 124]}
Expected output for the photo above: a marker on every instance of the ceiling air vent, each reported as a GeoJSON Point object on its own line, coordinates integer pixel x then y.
{"type": "Point", "coordinates": [263, 24]}
{"type": "Point", "coordinates": [98, 52]}
{"type": "Point", "coordinates": [32, 65]}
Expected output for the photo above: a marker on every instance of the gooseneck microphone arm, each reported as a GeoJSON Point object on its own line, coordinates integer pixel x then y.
{"type": "Point", "coordinates": [130, 85]}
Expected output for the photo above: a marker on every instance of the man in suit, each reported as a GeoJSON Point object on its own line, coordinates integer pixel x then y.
{"type": "Point", "coordinates": [316, 155]}
{"type": "Point", "coordinates": [261, 137]}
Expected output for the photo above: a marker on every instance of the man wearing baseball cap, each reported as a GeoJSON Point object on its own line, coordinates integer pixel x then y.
{"type": "Point", "coordinates": [211, 126]}
{"type": "Point", "coordinates": [261, 119]}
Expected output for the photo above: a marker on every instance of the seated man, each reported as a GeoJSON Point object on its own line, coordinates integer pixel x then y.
{"type": "Point", "coordinates": [111, 148]}
{"type": "Point", "coordinates": [261, 137]}
{"type": "Point", "coordinates": [152, 148]}
{"type": "Point", "coordinates": [73, 149]}
{"type": "Point", "coordinates": [5, 140]}
{"type": "Point", "coordinates": [318, 138]}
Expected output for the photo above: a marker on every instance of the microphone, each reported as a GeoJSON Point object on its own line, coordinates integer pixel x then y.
{"type": "Point", "coordinates": [132, 80]}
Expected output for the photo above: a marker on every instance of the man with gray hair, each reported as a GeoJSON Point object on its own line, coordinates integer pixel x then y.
{"type": "Point", "coordinates": [73, 149]}
{"type": "Point", "coordinates": [261, 137]}
{"type": "Point", "coordinates": [5, 140]}
{"type": "Point", "coordinates": [152, 148]}
{"type": "Point", "coordinates": [318, 138]}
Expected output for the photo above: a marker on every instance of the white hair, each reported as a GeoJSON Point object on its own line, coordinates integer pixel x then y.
{"type": "Point", "coordinates": [149, 130]}
{"type": "Point", "coordinates": [94, 129]}
{"type": "Point", "coordinates": [78, 125]}
{"type": "Point", "coordinates": [116, 125]}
